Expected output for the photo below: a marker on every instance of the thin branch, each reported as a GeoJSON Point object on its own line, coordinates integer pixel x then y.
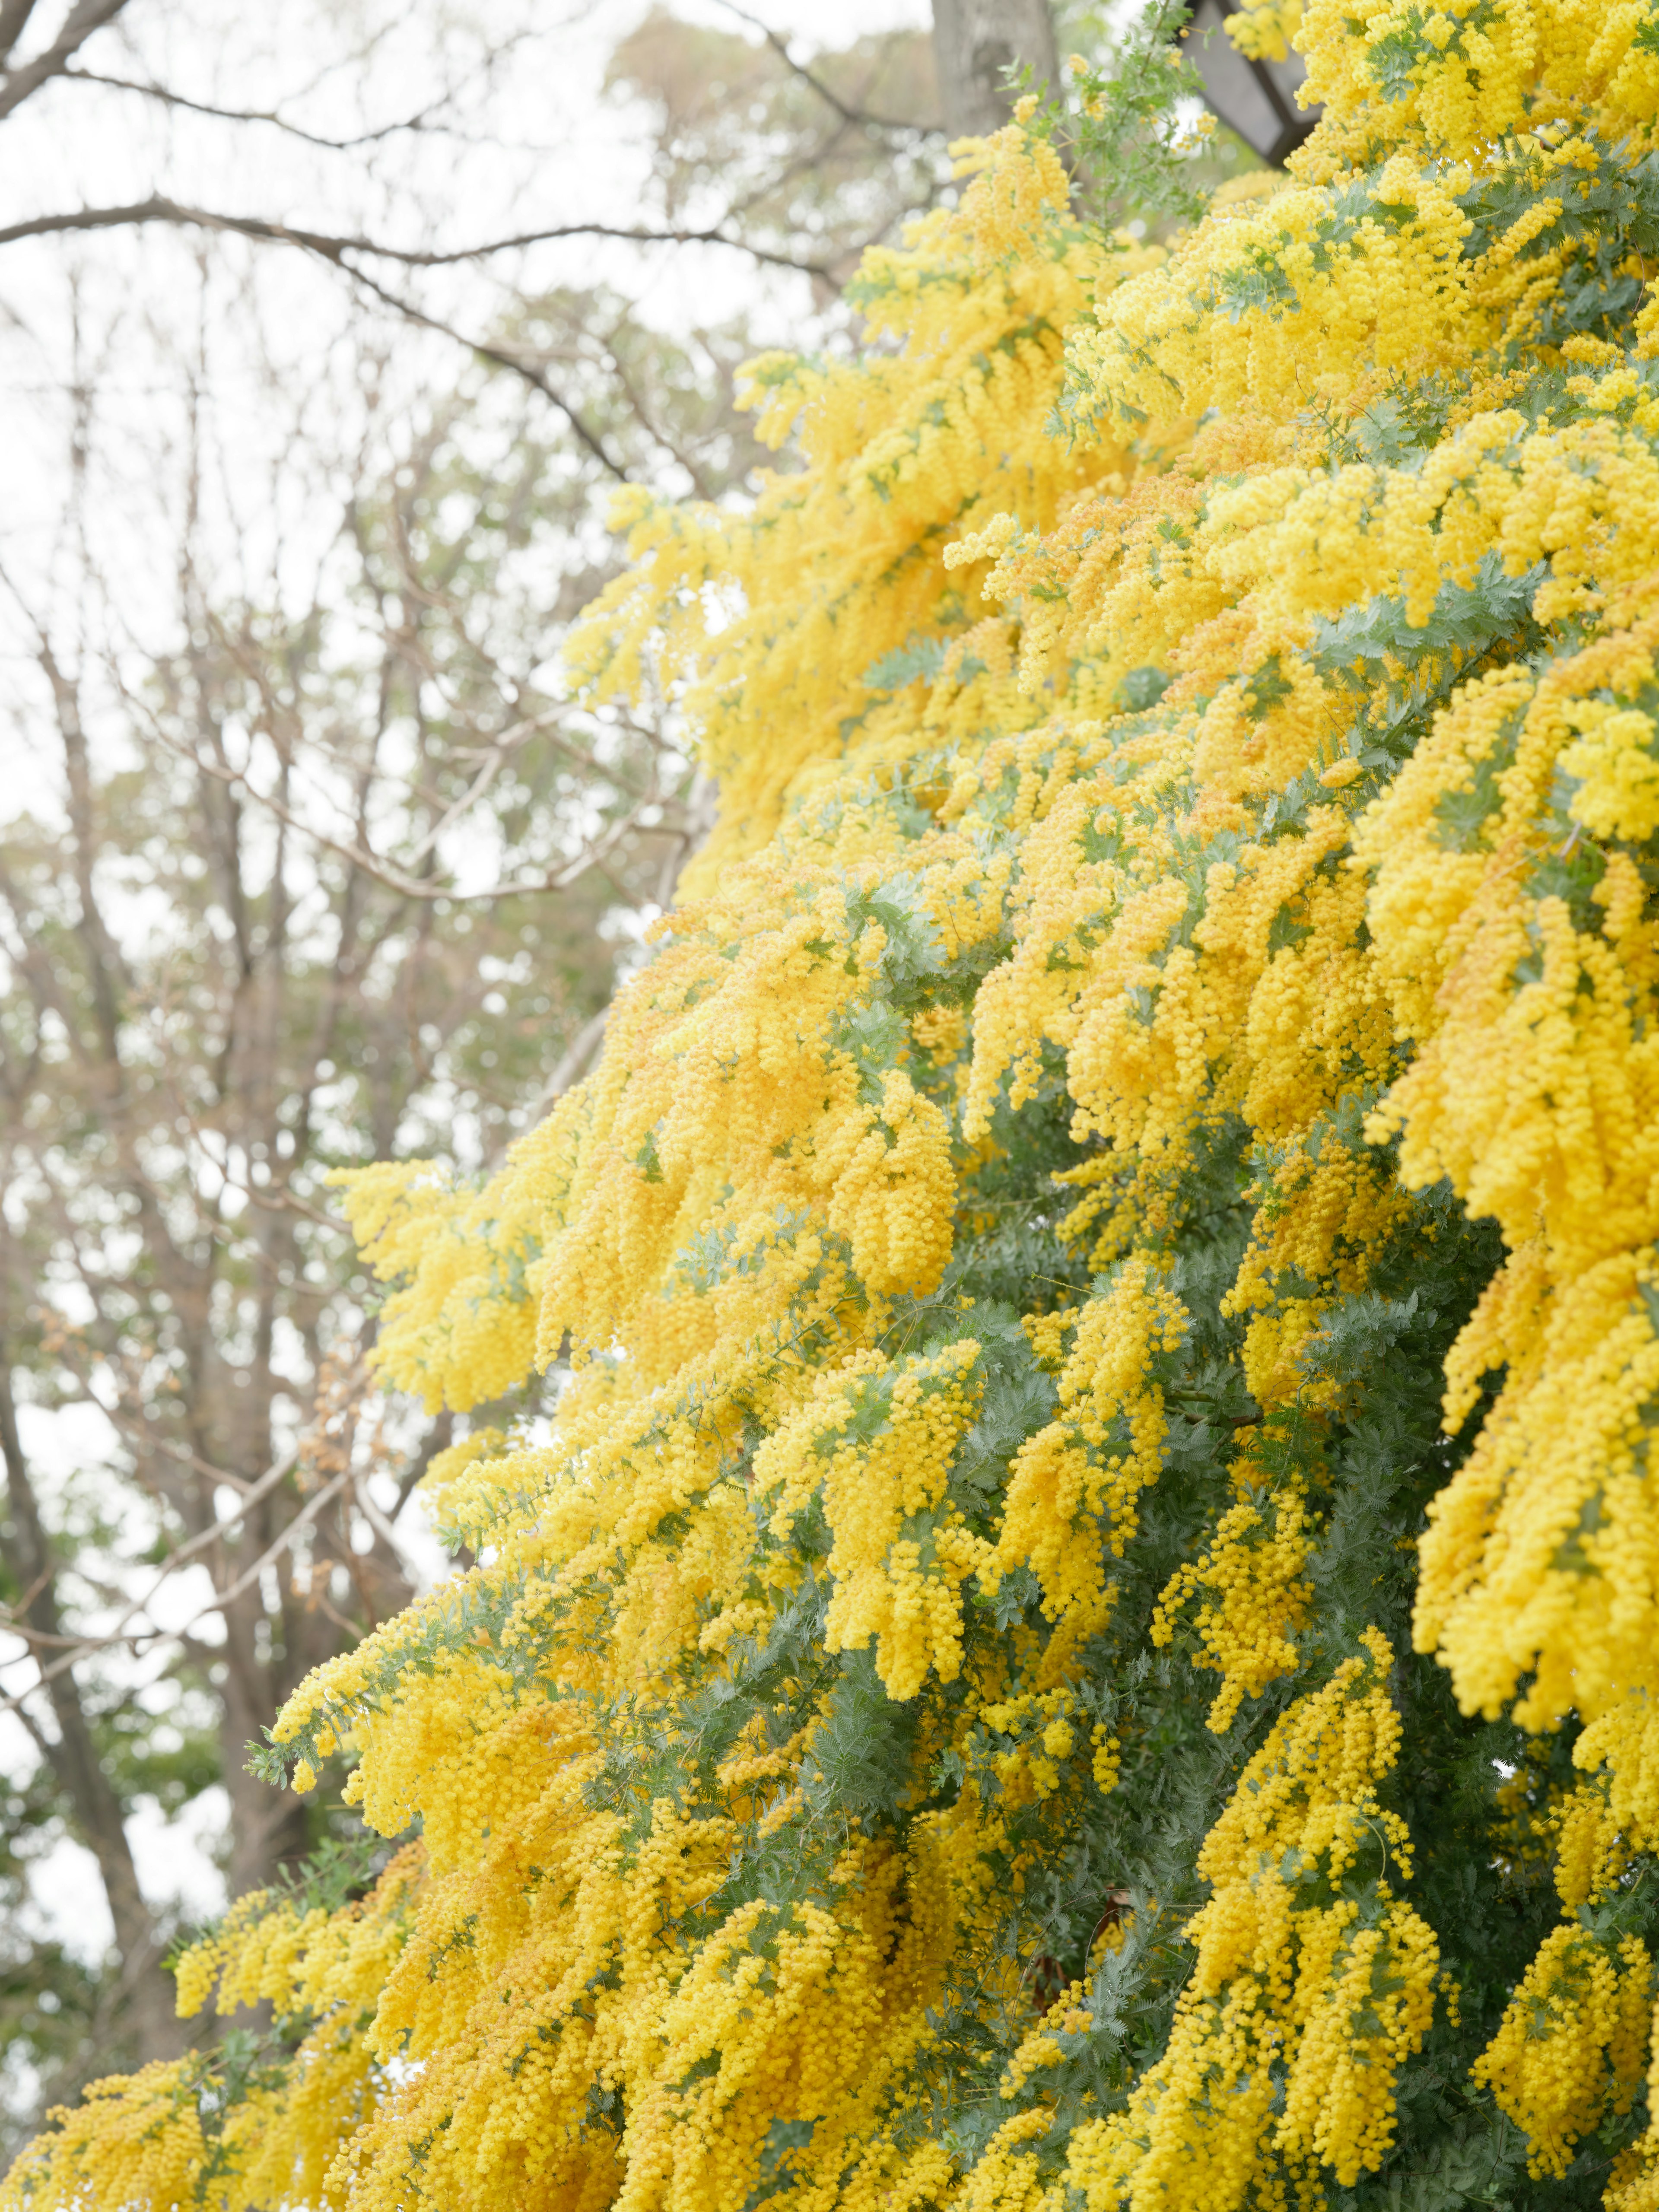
{"type": "Point", "coordinates": [159, 91]}
{"type": "Point", "coordinates": [825, 93]}
{"type": "Point", "coordinates": [493, 757]}
{"type": "Point", "coordinates": [382, 1528]}
{"type": "Point", "coordinates": [333, 248]}
{"type": "Point", "coordinates": [572, 1062]}
{"type": "Point", "coordinates": [413, 887]}
{"type": "Point", "coordinates": [266, 1483]}
{"type": "Point", "coordinates": [337, 252]}
{"type": "Point", "coordinates": [438, 1438]}
{"type": "Point", "coordinates": [636, 399]}
{"type": "Point", "coordinates": [220, 1599]}
{"type": "Point", "coordinates": [279, 1198]}
{"type": "Point", "coordinates": [533, 377]}
{"type": "Point", "coordinates": [420, 120]}
{"type": "Point", "coordinates": [248, 1491]}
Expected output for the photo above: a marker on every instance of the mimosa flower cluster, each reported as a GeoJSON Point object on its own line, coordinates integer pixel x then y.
{"type": "Point", "coordinates": [1064, 1602]}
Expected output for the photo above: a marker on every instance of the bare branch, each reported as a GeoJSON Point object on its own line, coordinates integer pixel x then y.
{"type": "Point", "coordinates": [333, 248]}
{"type": "Point", "coordinates": [280, 1198]}
{"type": "Point", "coordinates": [396, 878]}
{"type": "Point", "coordinates": [14, 20]}
{"type": "Point", "coordinates": [420, 120]}
{"type": "Point", "coordinates": [220, 1599]}
{"type": "Point", "coordinates": [573, 1062]}
{"type": "Point", "coordinates": [438, 1437]}
{"type": "Point", "coordinates": [254, 1493]}
{"type": "Point", "coordinates": [381, 1526]}
{"type": "Point", "coordinates": [74, 1756]}
{"type": "Point", "coordinates": [83, 19]}
{"type": "Point", "coordinates": [636, 400]}
{"type": "Point", "coordinates": [825, 93]}
{"type": "Point", "coordinates": [481, 782]}
{"type": "Point", "coordinates": [338, 252]}
{"type": "Point", "coordinates": [502, 359]}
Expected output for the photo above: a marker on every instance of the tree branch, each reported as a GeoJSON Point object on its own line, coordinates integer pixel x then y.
{"type": "Point", "coordinates": [252, 1495]}
{"type": "Point", "coordinates": [421, 120]}
{"type": "Point", "coordinates": [395, 878]}
{"type": "Point", "coordinates": [533, 377]}
{"type": "Point", "coordinates": [84, 18]}
{"type": "Point", "coordinates": [815, 83]}
{"type": "Point", "coordinates": [572, 1062]}
{"type": "Point", "coordinates": [14, 20]}
{"type": "Point", "coordinates": [338, 252]}
{"type": "Point", "coordinates": [217, 1603]}
{"type": "Point", "coordinates": [330, 247]}
{"type": "Point", "coordinates": [74, 1756]}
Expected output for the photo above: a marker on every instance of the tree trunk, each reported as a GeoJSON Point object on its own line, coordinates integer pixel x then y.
{"type": "Point", "coordinates": [74, 1756]}
{"type": "Point", "coordinates": [975, 41]}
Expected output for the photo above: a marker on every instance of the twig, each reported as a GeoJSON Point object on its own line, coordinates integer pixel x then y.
{"type": "Point", "coordinates": [335, 247]}
{"type": "Point", "coordinates": [420, 120]}
{"type": "Point", "coordinates": [382, 1527]}
{"type": "Point", "coordinates": [830, 98]}
{"type": "Point", "coordinates": [414, 887]}
{"type": "Point", "coordinates": [266, 1483]}
{"type": "Point", "coordinates": [495, 755]}
{"type": "Point", "coordinates": [307, 1513]}
{"type": "Point", "coordinates": [571, 1062]}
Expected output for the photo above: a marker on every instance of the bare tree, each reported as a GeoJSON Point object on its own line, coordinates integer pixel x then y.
{"type": "Point", "coordinates": [339, 890]}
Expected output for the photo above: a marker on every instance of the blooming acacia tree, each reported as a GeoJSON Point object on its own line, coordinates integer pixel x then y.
{"type": "Point", "coordinates": [1083, 1633]}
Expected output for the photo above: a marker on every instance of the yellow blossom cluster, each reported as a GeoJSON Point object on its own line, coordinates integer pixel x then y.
{"type": "Point", "coordinates": [1070, 1502]}
{"type": "Point", "coordinates": [1255, 1595]}
{"type": "Point", "coordinates": [166, 2135]}
{"type": "Point", "coordinates": [1573, 2042]}
{"type": "Point", "coordinates": [1469, 73]}
{"type": "Point", "coordinates": [1022, 1743]}
{"type": "Point", "coordinates": [1136, 1160]}
{"type": "Point", "coordinates": [1299, 2012]}
{"type": "Point", "coordinates": [876, 1448]}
